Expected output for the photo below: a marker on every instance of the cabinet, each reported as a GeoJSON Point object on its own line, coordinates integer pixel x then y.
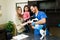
{"type": "Point", "coordinates": [2, 34]}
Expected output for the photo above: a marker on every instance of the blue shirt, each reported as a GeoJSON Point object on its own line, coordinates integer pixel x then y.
{"type": "Point", "coordinates": [39, 16]}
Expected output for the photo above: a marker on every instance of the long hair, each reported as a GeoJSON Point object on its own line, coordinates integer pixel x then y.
{"type": "Point", "coordinates": [19, 15]}
{"type": "Point", "coordinates": [27, 7]}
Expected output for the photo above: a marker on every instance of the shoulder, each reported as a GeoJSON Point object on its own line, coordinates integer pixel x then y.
{"type": "Point", "coordinates": [41, 12]}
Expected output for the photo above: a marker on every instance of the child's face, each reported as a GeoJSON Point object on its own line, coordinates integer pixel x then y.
{"type": "Point", "coordinates": [26, 9]}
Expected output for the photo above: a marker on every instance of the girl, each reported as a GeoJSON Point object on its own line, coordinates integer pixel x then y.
{"type": "Point", "coordinates": [26, 16]}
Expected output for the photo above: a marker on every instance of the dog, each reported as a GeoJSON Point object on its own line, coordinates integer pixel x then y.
{"type": "Point", "coordinates": [36, 26]}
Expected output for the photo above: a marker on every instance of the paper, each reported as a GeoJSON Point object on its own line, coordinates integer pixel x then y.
{"type": "Point", "coordinates": [20, 37]}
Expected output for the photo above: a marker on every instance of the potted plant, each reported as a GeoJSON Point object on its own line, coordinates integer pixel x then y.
{"type": "Point", "coordinates": [9, 29]}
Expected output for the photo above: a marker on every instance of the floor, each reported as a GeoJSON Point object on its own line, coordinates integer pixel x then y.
{"type": "Point", "coordinates": [55, 31]}
{"type": "Point", "coordinates": [31, 37]}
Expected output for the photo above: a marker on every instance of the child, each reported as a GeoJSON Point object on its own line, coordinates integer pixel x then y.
{"type": "Point", "coordinates": [26, 16]}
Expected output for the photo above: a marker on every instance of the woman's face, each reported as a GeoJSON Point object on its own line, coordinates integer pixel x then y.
{"type": "Point", "coordinates": [26, 8]}
{"type": "Point", "coordinates": [19, 11]}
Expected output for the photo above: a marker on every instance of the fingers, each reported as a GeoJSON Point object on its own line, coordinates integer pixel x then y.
{"type": "Point", "coordinates": [29, 21]}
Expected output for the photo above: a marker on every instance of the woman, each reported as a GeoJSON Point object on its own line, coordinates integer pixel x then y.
{"type": "Point", "coordinates": [19, 21]}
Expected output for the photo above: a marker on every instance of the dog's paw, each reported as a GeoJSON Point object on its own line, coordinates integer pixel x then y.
{"type": "Point", "coordinates": [41, 38]}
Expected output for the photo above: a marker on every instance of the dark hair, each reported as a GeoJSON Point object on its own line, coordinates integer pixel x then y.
{"type": "Point", "coordinates": [34, 5]}
{"type": "Point", "coordinates": [26, 6]}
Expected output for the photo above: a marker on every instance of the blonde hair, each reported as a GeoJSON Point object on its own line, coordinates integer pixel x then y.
{"type": "Point", "coordinates": [19, 15]}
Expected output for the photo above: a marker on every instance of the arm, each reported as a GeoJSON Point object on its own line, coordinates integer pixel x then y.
{"type": "Point", "coordinates": [23, 24]}
{"type": "Point", "coordinates": [28, 15]}
{"type": "Point", "coordinates": [42, 21]}
{"type": "Point", "coordinates": [26, 23]}
{"type": "Point", "coordinates": [43, 17]}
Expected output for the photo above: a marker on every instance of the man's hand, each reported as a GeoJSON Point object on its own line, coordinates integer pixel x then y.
{"type": "Point", "coordinates": [32, 27]}
{"type": "Point", "coordinates": [42, 21]}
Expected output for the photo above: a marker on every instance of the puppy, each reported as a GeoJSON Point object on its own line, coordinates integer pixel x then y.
{"type": "Point", "coordinates": [37, 26]}
{"type": "Point", "coordinates": [40, 27]}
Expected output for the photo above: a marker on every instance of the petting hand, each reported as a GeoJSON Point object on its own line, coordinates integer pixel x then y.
{"type": "Point", "coordinates": [29, 21]}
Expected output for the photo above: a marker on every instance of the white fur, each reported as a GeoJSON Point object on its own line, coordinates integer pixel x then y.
{"type": "Point", "coordinates": [43, 34]}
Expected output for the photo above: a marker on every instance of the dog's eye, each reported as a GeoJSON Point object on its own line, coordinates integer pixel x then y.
{"type": "Point", "coordinates": [34, 20]}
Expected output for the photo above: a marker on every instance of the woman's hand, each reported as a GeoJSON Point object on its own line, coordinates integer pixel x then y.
{"type": "Point", "coordinates": [29, 21]}
{"type": "Point", "coordinates": [26, 23]}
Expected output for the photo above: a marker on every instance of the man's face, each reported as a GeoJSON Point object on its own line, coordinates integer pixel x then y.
{"type": "Point", "coordinates": [33, 9]}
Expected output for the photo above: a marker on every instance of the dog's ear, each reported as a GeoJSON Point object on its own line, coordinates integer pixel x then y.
{"type": "Point", "coordinates": [34, 20]}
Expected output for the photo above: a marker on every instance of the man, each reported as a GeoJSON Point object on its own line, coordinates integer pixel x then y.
{"type": "Point", "coordinates": [41, 16]}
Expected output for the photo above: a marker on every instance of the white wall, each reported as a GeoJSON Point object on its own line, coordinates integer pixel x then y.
{"type": "Point", "coordinates": [11, 8]}
{"type": "Point", "coordinates": [8, 10]}
{"type": "Point", "coordinates": [34, 0]}
{"type": "Point", "coordinates": [3, 8]}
